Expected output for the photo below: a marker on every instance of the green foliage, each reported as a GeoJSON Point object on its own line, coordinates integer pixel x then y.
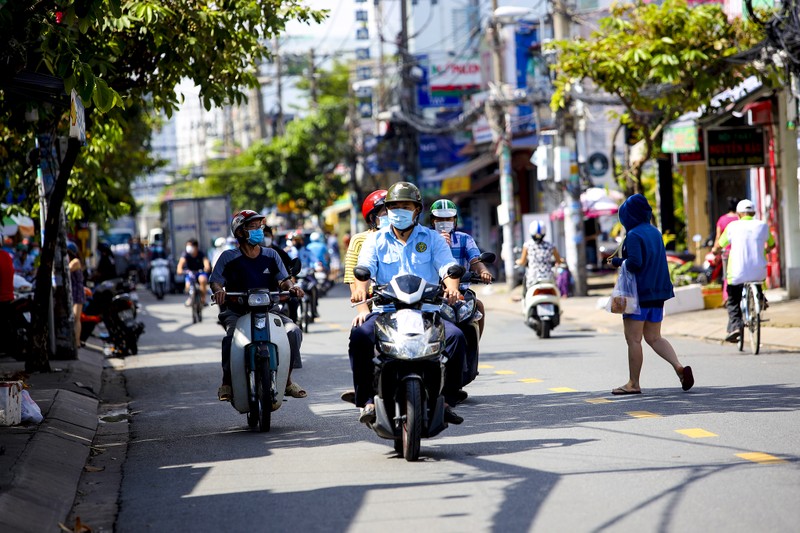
{"type": "Point", "coordinates": [661, 60]}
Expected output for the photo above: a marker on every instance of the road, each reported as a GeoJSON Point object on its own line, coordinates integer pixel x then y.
{"type": "Point", "coordinates": [544, 447]}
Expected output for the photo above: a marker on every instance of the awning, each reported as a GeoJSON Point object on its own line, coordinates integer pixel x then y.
{"type": "Point", "coordinates": [461, 170]}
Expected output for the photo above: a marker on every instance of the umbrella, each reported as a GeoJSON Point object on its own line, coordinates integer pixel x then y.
{"type": "Point", "coordinates": [595, 202]}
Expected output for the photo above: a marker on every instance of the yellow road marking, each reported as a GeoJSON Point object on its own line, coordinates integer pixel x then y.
{"type": "Point", "coordinates": [599, 400]}
{"type": "Point", "coordinates": [505, 372]}
{"type": "Point", "coordinates": [758, 457]}
{"type": "Point", "coordinates": [562, 389]}
{"type": "Point", "coordinates": [696, 433]}
{"type": "Point", "coordinates": [530, 380]}
{"type": "Point", "coordinates": [643, 414]}
{"type": "Point", "coordinates": [485, 366]}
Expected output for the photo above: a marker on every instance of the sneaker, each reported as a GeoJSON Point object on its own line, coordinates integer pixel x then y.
{"type": "Point", "coordinates": [687, 381]}
{"type": "Point", "coordinates": [224, 393]}
{"type": "Point", "coordinates": [461, 396]}
{"type": "Point", "coordinates": [451, 417]}
{"type": "Point", "coordinates": [732, 336]}
{"type": "Point", "coordinates": [367, 415]}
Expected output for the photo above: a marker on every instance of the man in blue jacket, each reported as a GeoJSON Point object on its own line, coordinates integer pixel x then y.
{"type": "Point", "coordinates": [644, 255]}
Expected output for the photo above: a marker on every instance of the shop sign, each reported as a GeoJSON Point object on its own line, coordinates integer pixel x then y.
{"type": "Point", "coordinates": [455, 185]}
{"type": "Point", "coordinates": [680, 138]}
{"type": "Point", "coordinates": [693, 157]}
{"type": "Point", "coordinates": [735, 147]}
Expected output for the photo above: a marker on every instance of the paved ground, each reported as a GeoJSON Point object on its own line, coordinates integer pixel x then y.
{"type": "Point", "coordinates": [41, 465]}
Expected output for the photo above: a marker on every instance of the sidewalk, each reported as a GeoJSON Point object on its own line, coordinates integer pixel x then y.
{"type": "Point", "coordinates": [41, 465]}
{"type": "Point", "coordinates": [781, 331]}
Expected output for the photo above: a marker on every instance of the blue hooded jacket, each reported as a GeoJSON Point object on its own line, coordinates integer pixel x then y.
{"type": "Point", "coordinates": [644, 251]}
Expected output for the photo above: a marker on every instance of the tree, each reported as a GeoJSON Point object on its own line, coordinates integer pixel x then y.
{"type": "Point", "coordinates": [117, 55]}
{"type": "Point", "coordinates": [660, 61]}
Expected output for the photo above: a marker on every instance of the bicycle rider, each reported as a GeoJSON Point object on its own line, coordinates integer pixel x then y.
{"type": "Point", "coordinates": [194, 262]}
{"type": "Point", "coordinates": [750, 241]}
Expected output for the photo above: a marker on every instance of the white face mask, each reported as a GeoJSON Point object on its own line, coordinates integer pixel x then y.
{"type": "Point", "coordinates": [189, 249]}
{"type": "Point", "coordinates": [444, 227]}
{"type": "Point", "coordinates": [267, 241]}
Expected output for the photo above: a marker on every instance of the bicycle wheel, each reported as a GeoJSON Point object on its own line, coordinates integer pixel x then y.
{"type": "Point", "coordinates": [754, 324]}
{"type": "Point", "coordinates": [194, 295]}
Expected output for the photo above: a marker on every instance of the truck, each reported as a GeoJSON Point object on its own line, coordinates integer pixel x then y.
{"type": "Point", "coordinates": [205, 219]}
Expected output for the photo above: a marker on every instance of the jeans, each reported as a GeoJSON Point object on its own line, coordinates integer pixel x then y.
{"type": "Point", "coordinates": [733, 305]}
{"type": "Point", "coordinates": [228, 319]}
{"type": "Point", "coordinates": [362, 350]}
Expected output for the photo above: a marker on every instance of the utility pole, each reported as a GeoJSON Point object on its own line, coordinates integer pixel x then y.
{"type": "Point", "coordinates": [312, 78]}
{"type": "Point", "coordinates": [407, 98]}
{"type": "Point", "coordinates": [573, 211]}
{"type": "Point", "coordinates": [279, 86]}
{"type": "Point", "coordinates": [381, 67]}
{"type": "Point", "coordinates": [501, 124]}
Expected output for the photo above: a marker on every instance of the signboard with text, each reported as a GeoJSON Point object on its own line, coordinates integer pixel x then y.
{"type": "Point", "coordinates": [735, 148]}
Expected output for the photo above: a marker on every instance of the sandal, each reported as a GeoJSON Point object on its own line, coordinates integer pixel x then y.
{"type": "Point", "coordinates": [224, 393]}
{"type": "Point", "coordinates": [295, 391]}
{"type": "Point", "coordinates": [687, 380]}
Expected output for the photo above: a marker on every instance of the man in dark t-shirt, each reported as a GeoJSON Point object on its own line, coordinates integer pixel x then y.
{"type": "Point", "coordinates": [251, 266]}
{"type": "Point", "coordinates": [194, 263]}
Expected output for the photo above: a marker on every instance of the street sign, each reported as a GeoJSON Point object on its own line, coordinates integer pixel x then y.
{"type": "Point", "coordinates": [735, 147]}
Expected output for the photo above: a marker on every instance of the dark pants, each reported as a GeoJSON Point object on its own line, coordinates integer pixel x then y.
{"type": "Point", "coordinates": [362, 350]}
{"type": "Point", "coordinates": [733, 305]}
{"type": "Point", "coordinates": [229, 318]}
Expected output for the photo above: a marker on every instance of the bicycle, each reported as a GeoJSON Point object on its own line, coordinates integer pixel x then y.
{"type": "Point", "coordinates": [195, 298]}
{"type": "Point", "coordinates": [752, 305]}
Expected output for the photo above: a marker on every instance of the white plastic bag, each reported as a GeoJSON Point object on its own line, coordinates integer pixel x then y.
{"type": "Point", "coordinates": [30, 411]}
{"type": "Point", "coordinates": [625, 297]}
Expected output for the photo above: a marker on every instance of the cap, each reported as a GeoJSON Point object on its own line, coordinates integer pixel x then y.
{"type": "Point", "coordinates": [745, 206]}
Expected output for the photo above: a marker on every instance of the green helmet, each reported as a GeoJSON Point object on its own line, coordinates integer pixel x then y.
{"type": "Point", "coordinates": [444, 208]}
{"type": "Point", "coordinates": [403, 191]}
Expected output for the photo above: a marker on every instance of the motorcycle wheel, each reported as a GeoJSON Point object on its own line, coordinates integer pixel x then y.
{"type": "Point", "coordinates": [545, 328]}
{"type": "Point", "coordinates": [308, 316]}
{"type": "Point", "coordinates": [264, 398]}
{"type": "Point", "coordinates": [252, 414]}
{"type": "Point", "coordinates": [160, 291]}
{"type": "Point", "coordinates": [412, 423]}
{"type": "Point", "coordinates": [132, 343]}
{"type": "Point", "coordinates": [302, 315]}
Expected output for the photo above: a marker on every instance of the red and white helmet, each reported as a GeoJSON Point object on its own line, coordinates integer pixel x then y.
{"type": "Point", "coordinates": [243, 217]}
{"type": "Point", "coordinates": [372, 204]}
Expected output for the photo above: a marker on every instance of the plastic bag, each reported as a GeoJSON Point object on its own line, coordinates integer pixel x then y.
{"type": "Point", "coordinates": [30, 410]}
{"type": "Point", "coordinates": [625, 297]}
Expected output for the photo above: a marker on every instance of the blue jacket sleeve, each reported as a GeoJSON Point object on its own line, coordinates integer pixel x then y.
{"type": "Point", "coordinates": [634, 248]}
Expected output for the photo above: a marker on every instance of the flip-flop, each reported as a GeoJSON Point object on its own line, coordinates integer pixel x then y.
{"type": "Point", "coordinates": [349, 396]}
{"type": "Point", "coordinates": [688, 378]}
{"type": "Point", "coordinates": [620, 391]}
{"type": "Point", "coordinates": [295, 391]}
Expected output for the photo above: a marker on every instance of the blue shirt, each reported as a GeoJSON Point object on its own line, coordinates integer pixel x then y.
{"type": "Point", "coordinates": [425, 254]}
{"type": "Point", "coordinates": [463, 248]}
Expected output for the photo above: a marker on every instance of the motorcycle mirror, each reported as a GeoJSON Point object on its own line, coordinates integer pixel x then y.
{"type": "Point", "coordinates": [487, 258]}
{"type": "Point", "coordinates": [456, 271]}
{"type": "Point", "coordinates": [296, 266]}
{"type": "Point", "coordinates": [361, 273]}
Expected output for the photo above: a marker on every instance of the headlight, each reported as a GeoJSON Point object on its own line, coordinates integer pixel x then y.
{"type": "Point", "coordinates": [395, 339]}
{"type": "Point", "coordinates": [465, 309]}
{"type": "Point", "coordinates": [258, 299]}
{"type": "Point", "coordinates": [447, 312]}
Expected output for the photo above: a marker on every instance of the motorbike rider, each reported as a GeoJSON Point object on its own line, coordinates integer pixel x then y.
{"type": "Point", "coordinates": [269, 242]}
{"type": "Point", "coordinates": [251, 266]}
{"type": "Point", "coordinates": [538, 255]}
{"type": "Point", "coordinates": [404, 247]}
{"type": "Point", "coordinates": [106, 265]}
{"type": "Point", "coordinates": [195, 261]}
{"type": "Point", "coordinates": [444, 214]}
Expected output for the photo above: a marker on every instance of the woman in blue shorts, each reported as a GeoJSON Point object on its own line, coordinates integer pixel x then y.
{"type": "Point", "coordinates": [644, 255]}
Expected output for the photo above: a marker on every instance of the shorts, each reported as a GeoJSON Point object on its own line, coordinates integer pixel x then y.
{"type": "Point", "coordinates": [647, 314]}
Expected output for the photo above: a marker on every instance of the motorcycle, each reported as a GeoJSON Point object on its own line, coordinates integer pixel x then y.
{"type": "Point", "coordinates": [542, 307]}
{"type": "Point", "coordinates": [323, 281]}
{"type": "Point", "coordinates": [113, 302]}
{"type": "Point", "coordinates": [465, 315]}
{"type": "Point", "coordinates": [304, 315]}
{"type": "Point", "coordinates": [409, 333]}
{"type": "Point", "coordinates": [260, 359]}
{"type": "Point", "coordinates": [159, 277]}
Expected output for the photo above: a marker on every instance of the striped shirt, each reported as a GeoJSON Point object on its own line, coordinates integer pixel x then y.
{"type": "Point", "coordinates": [351, 257]}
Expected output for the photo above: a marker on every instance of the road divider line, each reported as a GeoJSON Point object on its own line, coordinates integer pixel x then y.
{"type": "Point", "coordinates": [530, 380]}
{"type": "Point", "coordinates": [759, 457]}
{"type": "Point", "coordinates": [643, 414]}
{"type": "Point", "coordinates": [562, 389]}
{"type": "Point", "coordinates": [485, 366]}
{"type": "Point", "coordinates": [504, 372]}
{"type": "Point", "coordinates": [696, 433]}
{"type": "Point", "coordinates": [598, 400]}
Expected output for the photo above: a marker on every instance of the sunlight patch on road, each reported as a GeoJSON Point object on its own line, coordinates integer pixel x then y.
{"type": "Point", "coordinates": [643, 414]}
{"type": "Point", "coordinates": [758, 457]}
{"type": "Point", "coordinates": [337, 408]}
{"type": "Point", "coordinates": [696, 433]}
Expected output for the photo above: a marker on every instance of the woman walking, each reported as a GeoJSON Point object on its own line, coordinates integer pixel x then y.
{"type": "Point", "coordinates": [644, 255]}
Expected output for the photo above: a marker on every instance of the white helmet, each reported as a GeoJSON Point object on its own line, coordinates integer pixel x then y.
{"type": "Point", "coordinates": [315, 236]}
{"type": "Point", "coordinates": [537, 229]}
{"type": "Point", "coordinates": [220, 242]}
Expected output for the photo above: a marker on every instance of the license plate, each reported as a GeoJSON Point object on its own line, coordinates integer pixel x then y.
{"type": "Point", "coordinates": [127, 314]}
{"type": "Point", "coordinates": [545, 310]}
